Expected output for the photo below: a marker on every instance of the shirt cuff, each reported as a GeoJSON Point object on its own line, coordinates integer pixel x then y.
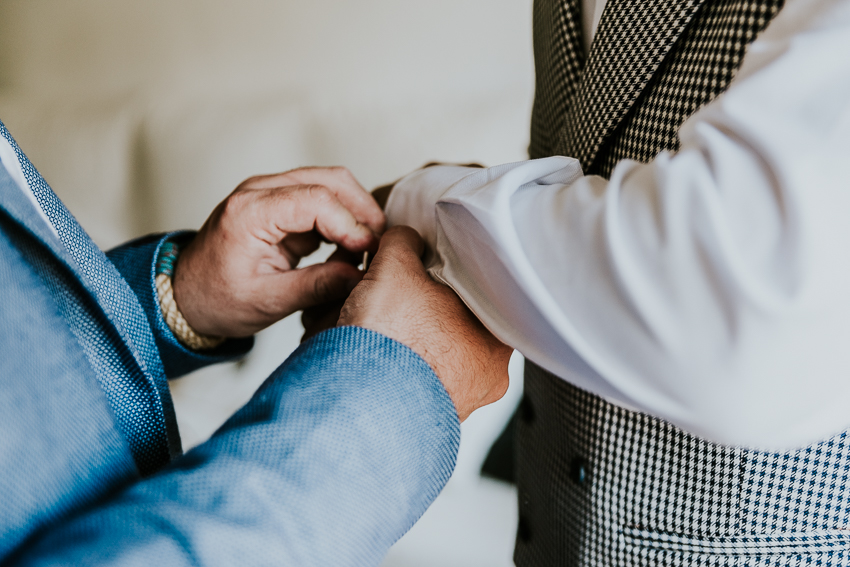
{"type": "Point", "coordinates": [413, 200]}
{"type": "Point", "coordinates": [228, 350]}
{"type": "Point", "coordinates": [136, 261]}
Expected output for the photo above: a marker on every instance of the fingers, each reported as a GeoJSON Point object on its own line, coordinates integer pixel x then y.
{"type": "Point", "coordinates": [399, 245]}
{"type": "Point", "coordinates": [339, 181]}
{"type": "Point", "coordinates": [299, 244]}
{"type": "Point", "coordinates": [322, 283]}
{"type": "Point", "coordinates": [394, 281]}
{"type": "Point", "coordinates": [343, 255]}
{"type": "Point", "coordinates": [350, 193]}
{"type": "Point", "coordinates": [309, 207]}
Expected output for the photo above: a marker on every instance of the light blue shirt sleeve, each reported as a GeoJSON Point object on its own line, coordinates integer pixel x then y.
{"type": "Point", "coordinates": [335, 457]}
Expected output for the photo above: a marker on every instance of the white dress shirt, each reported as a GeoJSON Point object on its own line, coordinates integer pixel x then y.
{"type": "Point", "coordinates": [710, 288]}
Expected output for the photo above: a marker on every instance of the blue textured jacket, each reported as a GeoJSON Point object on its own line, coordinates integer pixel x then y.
{"type": "Point", "coordinates": [335, 457]}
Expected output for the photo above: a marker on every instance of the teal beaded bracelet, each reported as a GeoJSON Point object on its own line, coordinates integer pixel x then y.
{"type": "Point", "coordinates": [165, 262]}
{"type": "Point", "coordinates": [168, 253]}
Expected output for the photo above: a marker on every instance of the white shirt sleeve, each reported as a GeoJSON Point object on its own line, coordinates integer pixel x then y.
{"type": "Point", "coordinates": [710, 288]}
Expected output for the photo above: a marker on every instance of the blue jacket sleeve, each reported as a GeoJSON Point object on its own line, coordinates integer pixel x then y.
{"type": "Point", "coordinates": [136, 261]}
{"type": "Point", "coordinates": [336, 456]}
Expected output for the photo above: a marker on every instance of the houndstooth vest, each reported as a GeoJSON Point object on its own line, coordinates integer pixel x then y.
{"type": "Point", "coordinates": [603, 486]}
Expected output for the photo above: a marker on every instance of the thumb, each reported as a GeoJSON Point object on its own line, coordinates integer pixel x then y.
{"type": "Point", "coordinates": [322, 283]}
{"type": "Point", "coordinates": [400, 247]}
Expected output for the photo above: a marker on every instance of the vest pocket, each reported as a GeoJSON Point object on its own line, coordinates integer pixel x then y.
{"type": "Point", "coordinates": [785, 543]}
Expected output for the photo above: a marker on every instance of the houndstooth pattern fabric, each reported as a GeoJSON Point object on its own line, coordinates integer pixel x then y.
{"type": "Point", "coordinates": [700, 67]}
{"type": "Point", "coordinates": [603, 486]}
{"type": "Point", "coordinates": [632, 40]}
{"type": "Point", "coordinates": [559, 60]}
{"type": "Point", "coordinates": [120, 346]}
{"type": "Point", "coordinates": [576, 102]}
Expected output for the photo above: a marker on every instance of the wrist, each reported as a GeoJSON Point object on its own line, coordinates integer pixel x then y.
{"type": "Point", "coordinates": [165, 270]}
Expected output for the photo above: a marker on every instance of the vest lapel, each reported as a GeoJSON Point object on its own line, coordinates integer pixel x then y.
{"type": "Point", "coordinates": [632, 40]}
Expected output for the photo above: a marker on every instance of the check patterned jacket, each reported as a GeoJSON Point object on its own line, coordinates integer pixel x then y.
{"type": "Point", "coordinates": [603, 486]}
{"type": "Point", "coordinates": [334, 458]}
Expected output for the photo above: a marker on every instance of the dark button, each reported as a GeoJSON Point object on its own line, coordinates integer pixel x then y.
{"type": "Point", "coordinates": [578, 470]}
{"type": "Point", "coordinates": [522, 530]}
{"type": "Point", "coordinates": [526, 410]}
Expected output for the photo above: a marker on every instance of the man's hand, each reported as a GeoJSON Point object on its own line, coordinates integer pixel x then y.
{"type": "Point", "coordinates": [238, 275]}
{"type": "Point", "coordinates": [397, 298]}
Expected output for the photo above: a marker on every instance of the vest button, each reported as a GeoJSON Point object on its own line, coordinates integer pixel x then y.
{"type": "Point", "coordinates": [522, 531]}
{"type": "Point", "coordinates": [578, 471]}
{"type": "Point", "coordinates": [526, 411]}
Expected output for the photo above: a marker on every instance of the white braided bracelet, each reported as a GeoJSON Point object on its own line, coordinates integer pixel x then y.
{"type": "Point", "coordinates": [170, 312]}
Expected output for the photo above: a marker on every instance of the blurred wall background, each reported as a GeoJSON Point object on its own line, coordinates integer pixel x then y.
{"type": "Point", "coordinates": [144, 115]}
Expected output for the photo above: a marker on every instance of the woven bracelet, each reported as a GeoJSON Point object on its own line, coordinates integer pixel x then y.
{"type": "Point", "coordinates": [165, 263]}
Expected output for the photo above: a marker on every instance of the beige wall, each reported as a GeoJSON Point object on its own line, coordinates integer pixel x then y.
{"type": "Point", "coordinates": [364, 48]}
{"type": "Point", "coordinates": [152, 111]}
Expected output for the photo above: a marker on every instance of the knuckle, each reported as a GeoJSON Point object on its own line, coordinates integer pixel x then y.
{"type": "Point", "coordinates": [320, 194]}
{"type": "Point", "coordinates": [344, 174]}
{"type": "Point", "coordinates": [347, 314]}
{"type": "Point", "coordinates": [405, 231]}
{"type": "Point", "coordinates": [250, 182]}
{"type": "Point", "coordinates": [237, 201]}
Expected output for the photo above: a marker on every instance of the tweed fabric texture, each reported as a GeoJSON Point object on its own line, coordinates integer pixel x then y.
{"type": "Point", "coordinates": [600, 485]}
{"type": "Point", "coordinates": [333, 459]}
{"type": "Point", "coordinates": [652, 64]}
{"type": "Point", "coordinates": [603, 486]}
{"type": "Point", "coordinates": [577, 102]}
{"type": "Point", "coordinates": [337, 454]}
{"type": "Point", "coordinates": [60, 449]}
{"type": "Point", "coordinates": [124, 357]}
{"type": "Point", "coordinates": [700, 67]}
{"type": "Point", "coordinates": [559, 60]}
{"type": "Point", "coordinates": [136, 405]}
{"type": "Point", "coordinates": [630, 44]}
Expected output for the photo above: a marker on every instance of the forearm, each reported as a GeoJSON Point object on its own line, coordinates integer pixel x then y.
{"type": "Point", "coordinates": [335, 457]}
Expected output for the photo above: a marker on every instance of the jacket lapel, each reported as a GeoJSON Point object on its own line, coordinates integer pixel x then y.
{"type": "Point", "coordinates": [90, 266]}
{"type": "Point", "coordinates": [21, 210]}
{"type": "Point", "coordinates": [631, 42]}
